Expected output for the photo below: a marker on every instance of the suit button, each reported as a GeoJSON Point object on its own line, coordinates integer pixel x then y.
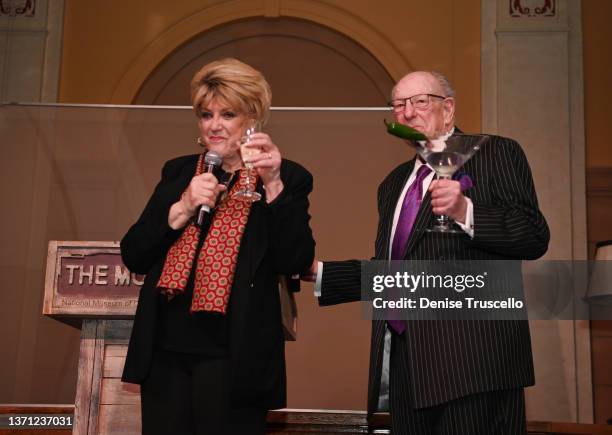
{"type": "Point", "coordinates": [252, 285]}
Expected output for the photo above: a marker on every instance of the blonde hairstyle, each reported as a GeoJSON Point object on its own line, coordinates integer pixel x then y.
{"type": "Point", "coordinates": [241, 86]}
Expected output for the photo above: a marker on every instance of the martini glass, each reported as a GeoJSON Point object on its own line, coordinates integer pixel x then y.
{"type": "Point", "coordinates": [248, 193]}
{"type": "Point", "coordinates": [446, 157]}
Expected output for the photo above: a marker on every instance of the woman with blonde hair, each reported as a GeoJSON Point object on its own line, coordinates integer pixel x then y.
{"type": "Point", "coordinates": [207, 346]}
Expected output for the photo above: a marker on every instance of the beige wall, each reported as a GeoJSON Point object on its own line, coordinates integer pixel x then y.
{"type": "Point", "coordinates": [306, 64]}
{"type": "Point", "coordinates": [100, 65]}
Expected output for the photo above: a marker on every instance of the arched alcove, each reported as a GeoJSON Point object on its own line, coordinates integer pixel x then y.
{"type": "Point", "coordinates": [307, 64]}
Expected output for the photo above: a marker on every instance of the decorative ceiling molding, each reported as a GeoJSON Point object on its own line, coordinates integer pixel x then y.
{"type": "Point", "coordinates": [18, 8]}
{"type": "Point", "coordinates": [532, 8]}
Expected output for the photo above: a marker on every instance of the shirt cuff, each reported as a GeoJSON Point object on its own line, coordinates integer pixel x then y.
{"type": "Point", "coordinates": [317, 286]}
{"type": "Point", "coordinates": [468, 226]}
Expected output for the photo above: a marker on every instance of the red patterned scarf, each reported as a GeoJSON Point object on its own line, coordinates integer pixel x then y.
{"type": "Point", "coordinates": [216, 263]}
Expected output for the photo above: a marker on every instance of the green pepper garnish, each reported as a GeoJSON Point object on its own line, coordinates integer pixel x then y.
{"type": "Point", "coordinates": [403, 131]}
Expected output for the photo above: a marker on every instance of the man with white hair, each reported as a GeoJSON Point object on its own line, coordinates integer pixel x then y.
{"type": "Point", "coordinates": [442, 376]}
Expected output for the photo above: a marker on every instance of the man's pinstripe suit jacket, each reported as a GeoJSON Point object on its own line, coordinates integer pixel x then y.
{"type": "Point", "coordinates": [451, 359]}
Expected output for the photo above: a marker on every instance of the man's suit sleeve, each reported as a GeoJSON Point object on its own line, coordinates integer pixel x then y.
{"type": "Point", "coordinates": [341, 282]}
{"type": "Point", "coordinates": [512, 225]}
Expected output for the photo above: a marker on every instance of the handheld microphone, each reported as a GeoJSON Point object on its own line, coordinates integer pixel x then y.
{"type": "Point", "coordinates": [211, 160]}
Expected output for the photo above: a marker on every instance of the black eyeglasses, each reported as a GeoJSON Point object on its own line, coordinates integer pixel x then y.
{"type": "Point", "coordinates": [418, 102]}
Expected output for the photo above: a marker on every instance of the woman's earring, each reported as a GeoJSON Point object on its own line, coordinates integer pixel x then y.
{"type": "Point", "coordinates": [199, 141]}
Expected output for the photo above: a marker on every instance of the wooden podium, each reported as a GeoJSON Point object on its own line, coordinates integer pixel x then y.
{"type": "Point", "coordinates": [86, 283]}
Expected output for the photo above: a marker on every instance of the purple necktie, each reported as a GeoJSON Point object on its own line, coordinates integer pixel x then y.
{"type": "Point", "coordinates": [410, 209]}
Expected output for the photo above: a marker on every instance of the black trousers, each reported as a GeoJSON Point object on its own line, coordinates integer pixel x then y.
{"type": "Point", "coordinates": [495, 412]}
{"type": "Point", "coordinates": [188, 394]}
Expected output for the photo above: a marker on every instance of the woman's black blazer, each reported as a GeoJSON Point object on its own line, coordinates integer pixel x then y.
{"type": "Point", "coordinates": [277, 240]}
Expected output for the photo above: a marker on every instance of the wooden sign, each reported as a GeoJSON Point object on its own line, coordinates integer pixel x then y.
{"type": "Point", "coordinates": [89, 280]}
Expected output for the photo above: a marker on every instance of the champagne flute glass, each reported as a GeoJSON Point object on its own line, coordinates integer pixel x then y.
{"type": "Point", "coordinates": [248, 193]}
{"type": "Point", "coordinates": [446, 157]}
